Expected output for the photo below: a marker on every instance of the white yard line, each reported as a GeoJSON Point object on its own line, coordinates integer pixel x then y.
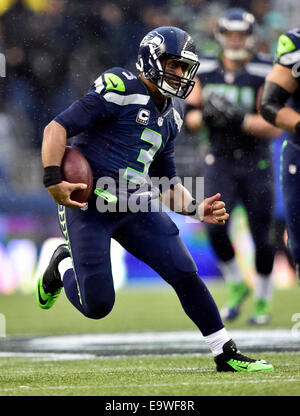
{"type": "Point", "coordinates": [48, 356]}
{"type": "Point", "coordinates": [250, 336]}
{"type": "Point", "coordinates": [116, 345]}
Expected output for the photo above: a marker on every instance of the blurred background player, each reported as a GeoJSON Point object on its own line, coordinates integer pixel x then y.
{"type": "Point", "coordinates": [110, 130]}
{"type": "Point", "coordinates": [238, 163]}
{"type": "Point", "coordinates": [280, 105]}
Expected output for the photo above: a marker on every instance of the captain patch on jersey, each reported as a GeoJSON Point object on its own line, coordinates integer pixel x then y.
{"type": "Point", "coordinates": [143, 116]}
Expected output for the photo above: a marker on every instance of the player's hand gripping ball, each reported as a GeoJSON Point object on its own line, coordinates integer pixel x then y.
{"type": "Point", "coordinates": [76, 169]}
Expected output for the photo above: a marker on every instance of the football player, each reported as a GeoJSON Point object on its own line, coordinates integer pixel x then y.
{"type": "Point", "coordinates": [127, 123]}
{"type": "Point", "coordinates": [280, 105]}
{"type": "Point", "coordinates": [238, 162]}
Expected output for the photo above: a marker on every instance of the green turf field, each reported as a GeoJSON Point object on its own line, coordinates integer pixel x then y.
{"type": "Point", "coordinates": [136, 309]}
{"type": "Point", "coordinates": [146, 376]}
{"type": "Point", "coordinates": [140, 309]}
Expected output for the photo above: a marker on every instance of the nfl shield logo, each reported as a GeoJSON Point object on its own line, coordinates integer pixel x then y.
{"type": "Point", "coordinates": [160, 121]}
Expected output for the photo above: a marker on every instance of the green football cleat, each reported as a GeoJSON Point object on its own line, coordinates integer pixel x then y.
{"type": "Point", "coordinates": [237, 294]}
{"type": "Point", "coordinates": [261, 313]}
{"type": "Point", "coordinates": [49, 285]}
{"type": "Point", "coordinates": [232, 360]}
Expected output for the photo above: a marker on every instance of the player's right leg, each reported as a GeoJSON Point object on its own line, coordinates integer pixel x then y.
{"type": "Point", "coordinates": [219, 177]}
{"type": "Point", "coordinates": [49, 284]}
{"type": "Point", "coordinates": [87, 278]}
{"type": "Point", "coordinates": [89, 284]}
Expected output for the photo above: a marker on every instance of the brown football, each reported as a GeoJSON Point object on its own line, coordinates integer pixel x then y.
{"type": "Point", "coordinates": [76, 169]}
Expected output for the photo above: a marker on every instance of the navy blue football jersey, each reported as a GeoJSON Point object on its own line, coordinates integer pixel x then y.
{"type": "Point", "coordinates": [118, 128]}
{"type": "Point", "coordinates": [241, 88]}
{"type": "Point", "coordinates": [288, 55]}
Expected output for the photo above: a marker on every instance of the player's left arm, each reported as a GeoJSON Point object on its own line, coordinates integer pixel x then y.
{"type": "Point", "coordinates": [256, 125]}
{"type": "Point", "coordinates": [211, 210]}
{"type": "Point", "coordinates": [178, 198]}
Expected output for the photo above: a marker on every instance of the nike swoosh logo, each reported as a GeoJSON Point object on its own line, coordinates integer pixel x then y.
{"type": "Point", "coordinates": [112, 83]}
{"type": "Point", "coordinates": [242, 366]}
{"type": "Point", "coordinates": [41, 300]}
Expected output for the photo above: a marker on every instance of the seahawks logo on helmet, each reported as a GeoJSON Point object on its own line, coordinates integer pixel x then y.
{"type": "Point", "coordinates": [152, 38]}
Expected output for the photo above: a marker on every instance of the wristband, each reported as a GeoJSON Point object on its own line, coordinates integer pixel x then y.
{"type": "Point", "coordinates": [192, 210]}
{"type": "Point", "coordinates": [297, 128]}
{"type": "Point", "coordinates": [52, 176]}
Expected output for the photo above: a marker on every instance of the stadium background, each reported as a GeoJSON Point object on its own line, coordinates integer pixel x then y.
{"type": "Point", "coordinates": [54, 50]}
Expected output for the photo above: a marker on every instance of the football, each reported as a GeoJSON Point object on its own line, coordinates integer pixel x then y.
{"type": "Point", "coordinates": [76, 169]}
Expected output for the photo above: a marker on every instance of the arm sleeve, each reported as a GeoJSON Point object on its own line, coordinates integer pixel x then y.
{"type": "Point", "coordinates": [84, 113]}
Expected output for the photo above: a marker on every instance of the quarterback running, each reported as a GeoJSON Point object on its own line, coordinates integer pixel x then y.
{"type": "Point", "coordinates": [128, 123]}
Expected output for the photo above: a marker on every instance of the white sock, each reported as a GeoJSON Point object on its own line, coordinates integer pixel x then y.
{"type": "Point", "coordinates": [64, 265]}
{"type": "Point", "coordinates": [216, 341]}
{"type": "Point", "coordinates": [263, 287]}
{"type": "Point", "coordinates": [231, 271]}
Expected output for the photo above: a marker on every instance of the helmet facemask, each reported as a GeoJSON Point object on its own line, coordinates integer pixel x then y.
{"type": "Point", "coordinates": [170, 84]}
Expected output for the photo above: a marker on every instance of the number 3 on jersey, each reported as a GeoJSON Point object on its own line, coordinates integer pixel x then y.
{"type": "Point", "coordinates": [145, 157]}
